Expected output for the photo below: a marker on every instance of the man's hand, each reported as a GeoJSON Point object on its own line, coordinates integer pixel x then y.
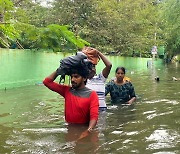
{"type": "Point", "coordinates": [90, 129]}
{"type": "Point", "coordinates": [83, 134]}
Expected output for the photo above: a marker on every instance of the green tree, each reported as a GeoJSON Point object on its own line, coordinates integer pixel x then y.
{"type": "Point", "coordinates": [55, 37]}
{"type": "Point", "coordinates": [171, 16]}
{"type": "Point", "coordinates": [31, 12]}
{"type": "Point", "coordinates": [7, 30]}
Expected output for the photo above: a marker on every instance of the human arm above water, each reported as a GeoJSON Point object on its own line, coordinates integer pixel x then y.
{"type": "Point", "coordinates": [132, 100]}
{"type": "Point", "coordinates": [52, 76]}
{"type": "Point", "coordinates": [132, 94]}
{"type": "Point", "coordinates": [92, 124]}
{"type": "Point", "coordinates": [94, 106]}
{"type": "Point", "coordinates": [94, 110]}
{"type": "Point", "coordinates": [49, 82]}
{"type": "Point", "coordinates": [107, 63]}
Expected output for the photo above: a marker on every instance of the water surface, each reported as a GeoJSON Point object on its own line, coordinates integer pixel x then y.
{"type": "Point", "coordinates": [32, 117]}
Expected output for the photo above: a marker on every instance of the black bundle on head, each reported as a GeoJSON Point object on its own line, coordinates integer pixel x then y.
{"type": "Point", "coordinates": [75, 64]}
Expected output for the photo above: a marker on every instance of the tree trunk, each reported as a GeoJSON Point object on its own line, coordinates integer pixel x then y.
{"type": "Point", "coordinates": [1, 17]}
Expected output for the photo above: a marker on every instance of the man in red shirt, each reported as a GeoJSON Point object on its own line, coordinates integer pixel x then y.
{"type": "Point", "coordinates": [81, 103]}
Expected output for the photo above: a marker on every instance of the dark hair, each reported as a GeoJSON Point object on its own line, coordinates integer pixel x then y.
{"type": "Point", "coordinates": [121, 68]}
{"type": "Point", "coordinates": [81, 71]}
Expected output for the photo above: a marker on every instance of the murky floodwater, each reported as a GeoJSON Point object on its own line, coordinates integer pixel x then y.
{"type": "Point", "coordinates": [32, 118]}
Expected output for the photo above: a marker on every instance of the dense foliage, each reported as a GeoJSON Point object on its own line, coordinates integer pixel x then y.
{"type": "Point", "coordinates": [125, 27]}
{"type": "Point", "coordinates": [171, 17]}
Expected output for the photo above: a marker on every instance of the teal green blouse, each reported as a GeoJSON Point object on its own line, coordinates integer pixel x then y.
{"type": "Point", "coordinates": [120, 93]}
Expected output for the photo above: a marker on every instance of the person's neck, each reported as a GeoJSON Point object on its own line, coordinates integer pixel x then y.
{"type": "Point", "coordinates": [81, 87]}
{"type": "Point", "coordinates": [120, 82]}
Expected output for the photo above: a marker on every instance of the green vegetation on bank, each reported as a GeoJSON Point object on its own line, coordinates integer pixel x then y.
{"type": "Point", "coordinates": [126, 27]}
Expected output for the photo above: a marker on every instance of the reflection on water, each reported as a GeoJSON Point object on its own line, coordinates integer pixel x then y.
{"type": "Point", "coordinates": [52, 140]}
{"type": "Point", "coordinates": [163, 139]}
{"type": "Point", "coordinates": [32, 119]}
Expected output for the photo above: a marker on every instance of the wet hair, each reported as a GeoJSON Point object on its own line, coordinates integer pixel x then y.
{"type": "Point", "coordinates": [121, 68]}
{"type": "Point", "coordinates": [81, 71]}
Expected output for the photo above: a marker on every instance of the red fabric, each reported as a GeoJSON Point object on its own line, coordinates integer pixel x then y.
{"type": "Point", "coordinates": [77, 109]}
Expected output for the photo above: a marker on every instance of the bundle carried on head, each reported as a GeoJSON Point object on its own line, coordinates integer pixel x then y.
{"type": "Point", "coordinates": [78, 62]}
{"type": "Point", "coordinates": [92, 54]}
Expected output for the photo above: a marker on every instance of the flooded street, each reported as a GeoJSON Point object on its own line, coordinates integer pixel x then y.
{"type": "Point", "coordinates": [32, 117]}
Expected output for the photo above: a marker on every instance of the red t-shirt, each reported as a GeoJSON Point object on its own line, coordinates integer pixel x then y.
{"type": "Point", "coordinates": [78, 109]}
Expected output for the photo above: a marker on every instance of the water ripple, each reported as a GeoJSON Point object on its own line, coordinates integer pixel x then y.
{"type": "Point", "coordinates": [162, 138]}
{"type": "Point", "coordinates": [174, 102]}
{"type": "Point", "coordinates": [157, 115]}
{"type": "Point", "coordinates": [117, 132]}
{"type": "Point", "coordinates": [46, 130]}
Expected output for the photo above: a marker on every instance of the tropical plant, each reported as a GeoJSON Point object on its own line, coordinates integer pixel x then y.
{"type": "Point", "coordinates": [171, 16]}
{"type": "Point", "coordinates": [55, 37]}
{"type": "Point", "coordinates": [7, 30]}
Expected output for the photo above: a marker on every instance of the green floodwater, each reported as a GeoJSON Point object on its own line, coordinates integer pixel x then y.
{"type": "Point", "coordinates": [19, 68]}
{"type": "Point", "coordinates": [32, 117]}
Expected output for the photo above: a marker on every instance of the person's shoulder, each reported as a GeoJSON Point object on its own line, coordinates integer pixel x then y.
{"type": "Point", "coordinates": [112, 80]}
{"type": "Point", "coordinates": [129, 83]}
{"type": "Point", "coordinates": [102, 76]}
{"type": "Point", "coordinates": [97, 78]}
{"type": "Point", "coordinates": [90, 92]}
{"type": "Point", "coordinates": [110, 83]}
{"type": "Point", "coordinates": [84, 93]}
{"type": "Point", "coordinates": [87, 89]}
{"type": "Point", "coordinates": [93, 93]}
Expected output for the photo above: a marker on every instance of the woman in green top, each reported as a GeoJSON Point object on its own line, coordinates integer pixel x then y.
{"type": "Point", "coordinates": [121, 91]}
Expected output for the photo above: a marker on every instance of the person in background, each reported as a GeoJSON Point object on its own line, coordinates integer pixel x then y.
{"type": "Point", "coordinates": [81, 103]}
{"type": "Point", "coordinates": [121, 91]}
{"type": "Point", "coordinates": [97, 82]}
